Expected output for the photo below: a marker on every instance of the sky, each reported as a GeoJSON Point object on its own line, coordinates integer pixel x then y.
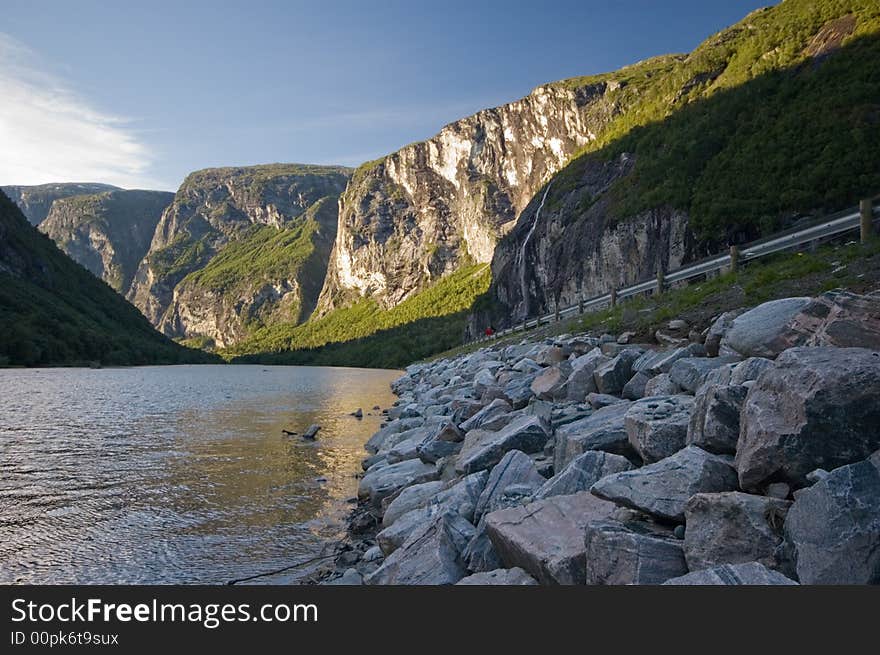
{"type": "Point", "coordinates": [141, 95]}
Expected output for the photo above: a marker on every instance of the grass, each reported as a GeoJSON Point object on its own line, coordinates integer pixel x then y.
{"type": "Point", "coordinates": [447, 301]}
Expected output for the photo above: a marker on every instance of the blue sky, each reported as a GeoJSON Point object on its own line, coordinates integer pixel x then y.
{"type": "Point", "coordinates": [140, 95]}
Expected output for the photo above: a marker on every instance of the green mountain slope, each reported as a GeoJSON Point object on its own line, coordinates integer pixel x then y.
{"type": "Point", "coordinates": [54, 312]}
{"type": "Point", "coordinates": [772, 119]}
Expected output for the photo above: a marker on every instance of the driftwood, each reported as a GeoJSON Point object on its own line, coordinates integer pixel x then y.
{"type": "Point", "coordinates": [288, 432]}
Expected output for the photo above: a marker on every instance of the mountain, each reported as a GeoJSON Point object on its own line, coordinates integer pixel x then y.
{"type": "Point", "coordinates": [109, 232]}
{"type": "Point", "coordinates": [417, 215]}
{"type": "Point", "coordinates": [239, 248]}
{"type": "Point", "coordinates": [54, 312]}
{"type": "Point", "coordinates": [36, 201]}
{"type": "Point", "coordinates": [771, 119]}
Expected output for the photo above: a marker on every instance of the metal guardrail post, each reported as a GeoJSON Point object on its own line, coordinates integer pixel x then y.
{"type": "Point", "coordinates": [661, 280]}
{"type": "Point", "coordinates": [867, 214]}
{"type": "Point", "coordinates": [734, 258]}
{"type": "Point", "coordinates": [556, 313]}
{"type": "Point", "coordinates": [614, 297]}
{"type": "Point", "coordinates": [581, 304]}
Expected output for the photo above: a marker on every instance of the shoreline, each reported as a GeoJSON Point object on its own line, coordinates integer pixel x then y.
{"type": "Point", "coordinates": [589, 459]}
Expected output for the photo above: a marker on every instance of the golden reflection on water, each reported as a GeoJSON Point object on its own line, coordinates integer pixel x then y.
{"type": "Point", "coordinates": [178, 474]}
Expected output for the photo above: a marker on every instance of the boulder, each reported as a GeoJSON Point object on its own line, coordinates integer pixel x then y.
{"type": "Point", "coordinates": [483, 449]}
{"type": "Point", "coordinates": [662, 489]}
{"type": "Point", "coordinates": [350, 578]}
{"type": "Point", "coordinates": [604, 430]}
{"type": "Point", "coordinates": [764, 331]}
{"type": "Point", "coordinates": [550, 383]}
{"type": "Point", "coordinates": [406, 449]}
{"type": "Point", "coordinates": [635, 388]}
{"type": "Point", "coordinates": [375, 443]}
{"type": "Point", "coordinates": [657, 426]}
{"type": "Point", "coordinates": [581, 473]}
{"type": "Point", "coordinates": [546, 538]}
{"type": "Point", "coordinates": [714, 423]}
{"type": "Point", "coordinates": [580, 381]}
{"type": "Point", "coordinates": [483, 380]}
{"type": "Point", "coordinates": [751, 573]}
{"type": "Point", "coordinates": [717, 330]}
{"type": "Point", "coordinates": [462, 495]}
{"type": "Point", "coordinates": [480, 554]}
{"type": "Point", "coordinates": [496, 408]}
{"type": "Point", "coordinates": [464, 408]}
{"type": "Point", "coordinates": [816, 408]}
{"type": "Point", "coordinates": [600, 400]}
{"type": "Point", "coordinates": [653, 362]}
{"type": "Point", "coordinates": [840, 318]}
{"type": "Point", "coordinates": [518, 391]}
{"type": "Point", "coordinates": [431, 556]}
{"type": "Point", "coordinates": [834, 526]}
{"type": "Point", "coordinates": [689, 372]}
{"type": "Point", "coordinates": [409, 499]}
{"type": "Point", "coordinates": [515, 468]}
{"type": "Point", "coordinates": [611, 376]}
{"type": "Point", "coordinates": [396, 534]}
{"type": "Point", "coordinates": [385, 481]}
{"type": "Point", "coordinates": [507, 577]}
{"type": "Point", "coordinates": [549, 355]}
{"type": "Point", "coordinates": [749, 369]}
{"type": "Point", "coordinates": [661, 385]}
{"type": "Point", "coordinates": [732, 528]}
{"type": "Point", "coordinates": [631, 553]}
{"type": "Point", "coordinates": [443, 442]}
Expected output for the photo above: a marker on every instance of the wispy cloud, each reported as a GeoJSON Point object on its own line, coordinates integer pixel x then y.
{"type": "Point", "coordinates": [48, 133]}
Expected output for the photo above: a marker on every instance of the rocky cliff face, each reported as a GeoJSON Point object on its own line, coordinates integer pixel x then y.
{"type": "Point", "coordinates": [36, 201]}
{"type": "Point", "coordinates": [246, 209]}
{"type": "Point", "coordinates": [424, 211]}
{"type": "Point", "coordinates": [108, 233]}
{"type": "Point", "coordinates": [568, 244]}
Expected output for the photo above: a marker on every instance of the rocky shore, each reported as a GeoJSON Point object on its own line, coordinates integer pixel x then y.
{"type": "Point", "coordinates": [744, 453]}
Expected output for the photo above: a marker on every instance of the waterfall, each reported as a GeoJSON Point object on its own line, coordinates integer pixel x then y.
{"type": "Point", "coordinates": [524, 287]}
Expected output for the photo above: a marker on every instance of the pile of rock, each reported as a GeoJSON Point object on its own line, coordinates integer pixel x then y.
{"type": "Point", "coordinates": [747, 454]}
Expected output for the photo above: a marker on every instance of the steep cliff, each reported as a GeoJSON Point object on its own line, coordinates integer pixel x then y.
{"type": "Point", "coordinates": [432, 207]}
{"type": "Point", "coordinates": [54, 312]}
{"type": "Point", "coordinates": [775, 117]}
{"type": "Point", "coordinates": [36, 201]}
{"type": "Point", "coordinates": [206, 275]}
{"type": "Point", "coordinates": [108, 233]}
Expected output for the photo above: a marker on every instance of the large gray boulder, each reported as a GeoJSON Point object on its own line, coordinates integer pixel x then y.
{"type": "Point", "coordinates": [635, 388]}
{"type": "Point", "coordinates": [580, 381]}
{"type": "Point", "coordinates": [611, 376]}
{"type": "Point", "coordinates": [483, 449]}
{"type": "Point", "coordinates": [582, 472]}
{"type": "Point", "coordinates": [654, 362]}
{"type": "Point", "coordinates": [689, 372]}
{"type": "Point", "coordinates": [717, 329]}
{"type": "Point", "coordinates": [549, 384]}
{"type": "Point", "coordinates": [764, 331]}
{"type": "Point", "coordinates": [662, 489]}
{"type": "Point", "coordinates": [518, 390]}
{"type": "Point", "coordinates": [631, 553]}
{"type": "Point", "coordinates": [431, 556]}
{"type": "Point", "coordinates": [816, 408]}
{"type": "Point", "coordinates": [497, 408]}
{"type": "Point", "coordinates": [444, 441]}
{"type": "Point", "coordinates": [546, 538]}
{"type": "Point", "coordinates": [375, 443]}
{"type": "Point", "coordinates": [714, 423]}
{"type": "Point", "coordinates": [839, 318]}
{"type": "Point", "coordinates": [751, 573]}
{"type": "Point", "coordinates": [661, 385]}
{"type": "Point", "coordinates": [508, 577]}
{"type": "Point", "coordinates": [834, 526]}
{"type": "Point", "coordinates": [515, 468]}
{"type": "Point", "coordinates": [396, 534]}
{"type": "Point", "coordinates": [732, 528]}
{"type": "Point", "coordinates": [657, 426]}
{"type": "Point", "coordinates": [409, 499]}
{"type": "Point", "coordinates": [480, 554]}
{"type": "Point", "coordinates": [376, 485]}
{"type": "Point", "coordinates": [604, 429]}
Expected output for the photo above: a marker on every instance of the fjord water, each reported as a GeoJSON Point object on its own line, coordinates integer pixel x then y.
{"type": "Point", "coordinates": [176, 474]}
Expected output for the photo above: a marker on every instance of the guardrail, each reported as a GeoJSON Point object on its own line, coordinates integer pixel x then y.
{"type": "Point", "coordinates": [861, 217]}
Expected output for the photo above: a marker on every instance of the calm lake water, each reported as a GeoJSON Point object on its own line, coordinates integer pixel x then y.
{"type": "Point", "coordinates": [176, 474]}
